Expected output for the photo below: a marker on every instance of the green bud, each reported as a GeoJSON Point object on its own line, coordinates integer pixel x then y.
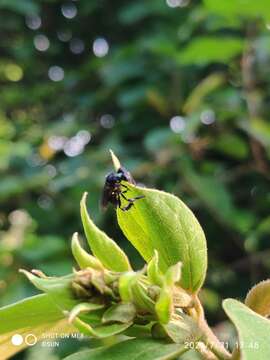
{"type": "Point", "coordinates": [164, 305]}
{"type": "Point", "coordinates": [173, 274]}
{"type": "Point", "coordinates": [154, 274]}
{"type": "Point", "coordinates": [141, 298]}
{"type": "Point", "coordinates": [84, 259]}
{"type": "Point", "coordinates": [125, 283]}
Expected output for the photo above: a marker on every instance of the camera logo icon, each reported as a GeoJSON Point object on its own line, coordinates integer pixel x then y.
{"type": "Point", "coordinates": [30, 339]}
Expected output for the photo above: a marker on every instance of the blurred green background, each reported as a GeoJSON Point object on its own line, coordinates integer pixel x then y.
{"type": "Point", "coordinates": [179, 89]}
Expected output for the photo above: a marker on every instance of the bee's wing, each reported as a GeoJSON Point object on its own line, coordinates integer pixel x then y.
{"type": "Point", "coordinates": [127, 174]}
{"type": "Point", "coordinates": [105, 197]}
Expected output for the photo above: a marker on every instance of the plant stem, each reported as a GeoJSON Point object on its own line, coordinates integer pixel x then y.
{"type": "Point", "coordinates": [209, 338]}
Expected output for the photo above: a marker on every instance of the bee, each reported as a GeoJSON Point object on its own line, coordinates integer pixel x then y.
{"type": "Point", "coordinates": [113, 190]}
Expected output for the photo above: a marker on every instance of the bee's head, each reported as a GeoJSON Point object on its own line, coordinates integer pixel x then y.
{"type": "Point", "coordinates": [111, 178]}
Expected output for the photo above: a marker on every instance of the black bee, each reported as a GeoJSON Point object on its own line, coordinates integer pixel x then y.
{"type": "Point", "coordinates": [113, 189]}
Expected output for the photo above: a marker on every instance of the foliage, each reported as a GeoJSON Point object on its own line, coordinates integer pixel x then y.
{"type": "Point", "coordinates": [181, 96]}
{"type": "Point", "coordinates": [102, 299]}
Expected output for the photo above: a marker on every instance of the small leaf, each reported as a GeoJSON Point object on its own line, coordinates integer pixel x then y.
{"type": "Point", "coordinates": [59, 289]}
{"type": "Point", "coordinates": [163, 222]}
{"type": "Point", "coordinates": [104, 248]}
{"type": "Point", "coordinates": [141, 298]}
{"type": "Point", "coordinates": [258, 298]}
{"type": "Point", "coordinates": [206, 86]}
{"type": "Point", "coordinates": [239, 9]}
{"type": "Point", "coordinates": [83, 259]}
{"type": "Point", "coordinates": [183, 329]}
{"type": "Point", "coordinates": [205, 50]}
{"type": "Point", "coordinates": [153, 272]}
{"type": "Point", "coordinates": [173, 274]}
{"type": "Point", "coordinates": [164, 305]}
{"type": "Point", "coordinates": [123, 313]}
{"type": "Point", "coordinates": [99, 331]}
{"type": "Point", "coordinates": [253, 330]}
{"type": "Point", "coordinates": [131, 289]}
{"type": "Point", "coordinates": [82, 308]}
{"type": "Point", "coordinates": [134, 349]}
{"type": "Point", "coordinates": [125, 283]}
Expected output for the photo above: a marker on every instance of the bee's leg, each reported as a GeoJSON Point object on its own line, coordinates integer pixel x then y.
{"type": "Point", "coordinates": [126, 208]}
{"type": "Point", "coordinates": [130, 201]}
{"type": "Point", "coordinates": [118, 200]}
{"type": "Point", "coordinates": [138, 197]}
{"type": "Point", "coordinates": [126, 189]}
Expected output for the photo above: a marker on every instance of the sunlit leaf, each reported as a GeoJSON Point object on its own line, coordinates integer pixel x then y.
{"type": "Point", "coordinates": [162, 222]}
{"type": "Point", "coordinates": [253, 330]}
{"type": "Point", "coordinates": [37, 315]}
{"type": "Point", "coordinates": [206, 50]}
{"type": "Point", "coordinates": [104, 248]}
{"type": "Point", "coordinates": [146, 349]}
{"type": "Point", "coordinates": [258, 298]}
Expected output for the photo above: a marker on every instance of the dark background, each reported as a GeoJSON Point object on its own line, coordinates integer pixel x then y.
{"type": "Point", "coordinates": [178, 89]}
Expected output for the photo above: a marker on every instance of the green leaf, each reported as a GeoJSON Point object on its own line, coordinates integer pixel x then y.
{"type": "Point", "coordinates": [83, 308]}
{"type": "Point", "coordinates": [157, 138]}
{"type": "Point", "coordinates": [115, 160]}
{"type": "Point", "coordinates": [205, 50]}
{"type": "Point", "coordinates": [104, 248]}
{"type": "Point", "coordinates": [153, 272]}
{"type": "Point", "coordinates": [182, 330]}
{"type": "Point", "coordinates": [239, 8]}
{"type": "Point", "coordinates": [122, 313]}
{"type": "Point", "coordinates": [258, 298]}
{"type": "Point", "coordinates": [58, 288]}
{"type": "Point", "coordinates": [173, 274]}
{"type": "Point", "coordinates": [125, 285]}
{"type": "Point", "coordinates": [134, 349]}
{"type": "Point", "coordinates": [100, 331]}
{"type": "Point", "coordinates": [253, 330]}
{"type": "Point", "coordinates": [24, 7]}
{"type": "Point", "coordinates": [82, 257]}
{"type": "Point", "coordinates": [259, 129]}
{"type": "Point", "coordinates": [206, 86]}
{"type": "Point", "coordinates": [36, 315]}
{"type": "Point", "coordinates": [212, 193]}
{"type": "Point", "coordinates": [162, 222]}
{"type": "Point", "coordinates": [164, 305]}
{"type": "Point", "coordinates": [232, 145]}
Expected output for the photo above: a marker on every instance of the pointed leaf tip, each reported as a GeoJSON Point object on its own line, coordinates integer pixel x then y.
{"type": "Point", "coordinates": [82, 257]}
{"type": "Point", "coordinates": [115, 160]}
